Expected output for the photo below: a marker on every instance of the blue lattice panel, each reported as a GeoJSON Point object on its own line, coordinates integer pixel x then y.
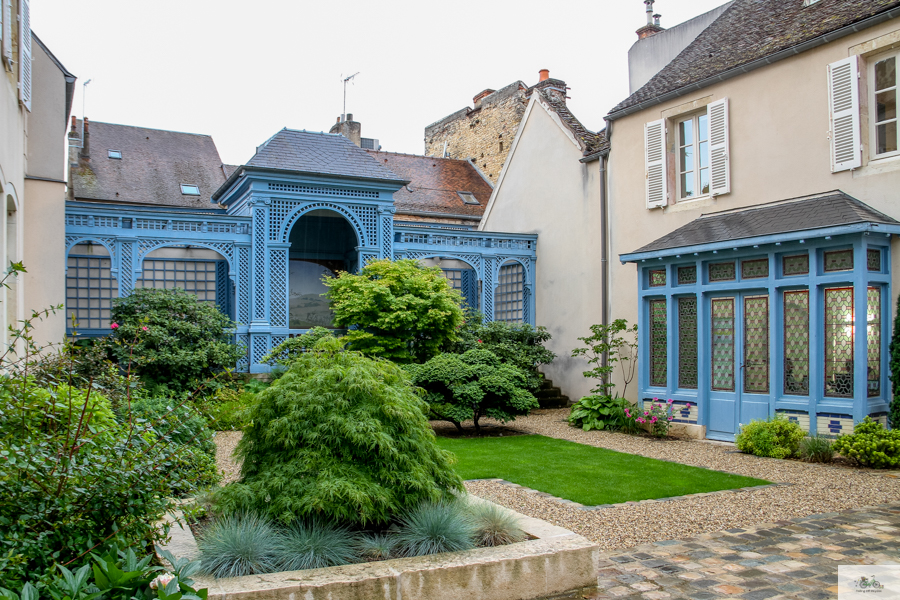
{"type": "Point", "coordinates": [833, 424]}
{"type": "Point", "coordinates": [243, 363]}
{"type": "Point", "coordinates": [278, 281]}
{"type": "Point", "coordinates": [800, 417]}
{"type": "Point", "coordinates": [126, 271]}
{"type": "Point", "coordinates": [387, 236]}
{"type": "Point", "coordinates": [259, 347]}
{"type": "Point", "coordinates": [243, 285]}
{"type": "Point", "coordinates": [259, 263]}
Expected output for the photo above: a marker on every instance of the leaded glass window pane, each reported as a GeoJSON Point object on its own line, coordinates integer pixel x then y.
{"type": "Point", "coordinates": [756, 344]}
{"type": "Point", "coordinates": [658, 347]}
{"type": "Point", "coordinates": [796, 343]}
{"type": "Point", "coordinates": [839, 260]}
{"type": "Point", "coordinates": [753, 269]}
{"type": "Point", "coordinates": [722, 271]}
{"type": "Point", "coordinates": [873, 259]}
{"type": "Point", "coordinates": [723, 344]}
{"type": "Point", "coordinates": [687, 342]}
{"type": "Point", "coordinates": [796, 265]}
{"type": "Point", "coordinates": [657, 278]}
{"type": "Point", "coordinates": [839, 342]}
{"type": "Point", "coordinates": [687, 275]}
{"type": "Point", "coordinates": [873, 339]}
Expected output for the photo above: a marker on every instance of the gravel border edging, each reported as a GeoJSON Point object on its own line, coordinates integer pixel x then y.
{"type": "Point", "coordinates": [578, 505]}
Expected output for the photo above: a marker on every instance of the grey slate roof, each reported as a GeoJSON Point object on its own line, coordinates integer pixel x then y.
{"type": "Point", "coordinates": [320, 153]}
{"type": "Point", "coordinates": [749, 30]}
{"type": "Point", "coordinates": [154, 164]}
{"type": "Point", "coordinates": [591, 142]}
{"type": "Point", "coordinates": [810, 212]}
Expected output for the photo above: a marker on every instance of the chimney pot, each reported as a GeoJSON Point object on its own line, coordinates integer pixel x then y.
{"type": "Point", "coordinates": [544, 74]}
{"type": "Point", "coordinates": [338, 119]}
{"type": "Point", "coordinates": [656, 19]}
{"type": "Point", "coordinates": [349, 116]}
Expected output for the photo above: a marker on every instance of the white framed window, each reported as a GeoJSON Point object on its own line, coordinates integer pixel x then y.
{"type": "Point", "coordinates": [190, 190]}
{"type": "Point", "coordinates": [468, 197]}
{"type": "Point", "coordinates": [883, 130]}
{"type": "Point", "coordinates": [693, 156]}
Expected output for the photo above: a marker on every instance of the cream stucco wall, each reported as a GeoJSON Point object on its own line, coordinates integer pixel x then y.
{"type": "Point", "coordinates": [546, 190]}
{"type": "Point", "coordinates": [779, 149]}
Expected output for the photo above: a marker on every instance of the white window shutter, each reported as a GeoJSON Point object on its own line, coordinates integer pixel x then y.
{"type": "Point", "coordinates": [719, 153]}
{"type": "Point", "coordinates": [843, 110]}
{"type": "Point", "coordinates": [25, 54]}
{"type": "Point", "coordinates": [7, 30]}
{"type": "Point", "coordinates": [655, 161]}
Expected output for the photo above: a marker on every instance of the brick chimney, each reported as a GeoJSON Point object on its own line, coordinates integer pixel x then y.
{"type": "Point", "coordinates": [74, 147]}
{"type": "Point", "coordinates": [652, 27]}
{"type": "Point", "coordinates": [555, 88]}
{"type": "Point", "coordinates": [347, 127]}
{"type": "Point", "coordinates": [85, 156]}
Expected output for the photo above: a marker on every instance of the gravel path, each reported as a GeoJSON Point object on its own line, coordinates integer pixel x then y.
{"type": "Point", "coordinates": [815, 489]}
{"type": "Point", "coordinates": [226, 441]}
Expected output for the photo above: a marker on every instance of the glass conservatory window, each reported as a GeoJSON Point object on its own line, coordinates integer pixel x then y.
{"type": "Point", "coordinates": [796, 343]}
{"type": "Point", "coordinates": [797, 264]}
{"type": "Point", "coordinates": [839, 260]}
{"type": "Point", "coordinates": [687, 342]}
{"type": "Point", "coordinates": [722, 271]}
{"type": "Point", "coordinates": [509, 299]}
{"type": "Point", "coordinates": [873, 340]}
{"type": "Point", "coordinates": [687, 275]}
{"type": "Point", "coordinates": [839, 342]}
{"type": "Point", "coordinates": [723, 344]}
{"type": "Point", "coordinates": [90, 288]}
{"type": "Point", "coordinates": [658, 345]}
{"type": "Point", "coordinates": [753, 269]}
{"type": "Point", "coordinates": [756, 344]}
{"type": "Point", "coordinates": [657, 278]}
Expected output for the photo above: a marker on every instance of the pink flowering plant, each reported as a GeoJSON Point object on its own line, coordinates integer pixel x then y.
{"type": "Point", "coordinates": [655, 417]}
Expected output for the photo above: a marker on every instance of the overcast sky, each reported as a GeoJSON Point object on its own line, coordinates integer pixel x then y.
{"type": "Point", "coordinates": [240, 71]}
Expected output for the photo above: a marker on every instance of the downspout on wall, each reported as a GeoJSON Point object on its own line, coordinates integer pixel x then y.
{"type": "Point", "coordinates": [604, 259]}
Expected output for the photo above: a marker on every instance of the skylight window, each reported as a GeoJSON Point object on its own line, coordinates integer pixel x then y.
{"type": "Point", "coordinates": [190, 190]}
{"type": "Point", "coordinates": [468, 197]}
{"type": "Point", "coordinates": [114, 153]}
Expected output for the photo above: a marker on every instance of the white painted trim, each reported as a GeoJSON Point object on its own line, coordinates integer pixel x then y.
{"type": "Point", "coordinates": [535, 99]}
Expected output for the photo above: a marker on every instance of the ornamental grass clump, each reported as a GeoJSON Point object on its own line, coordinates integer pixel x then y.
{"type": "Point", "coordinates": [435, 527]}
{"type": "Point", "coordinates": [313, 544]}
{"type": "Point", "coordinates": [376, 546]}
{"type": "Point", "coordinates": [494, 525]}
{"type": "Point", "coordinates": [816, 448]}
{"type": "Point", "coordinates": [775, 438]}
{"type": "Point", "coordinates": [340, 437]}
{"type": "Point", "coordinates": [240, 544]}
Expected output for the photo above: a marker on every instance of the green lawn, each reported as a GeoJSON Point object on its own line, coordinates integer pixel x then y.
{"type": "Point", "coordinates": [582, 473]}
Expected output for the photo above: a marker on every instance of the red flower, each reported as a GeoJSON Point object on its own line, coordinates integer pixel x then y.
{"type": "Point", "coordinates": [114, 326]}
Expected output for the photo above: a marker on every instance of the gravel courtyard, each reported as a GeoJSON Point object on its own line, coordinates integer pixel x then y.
{"type": "Point", "coordinates": [814, 488]}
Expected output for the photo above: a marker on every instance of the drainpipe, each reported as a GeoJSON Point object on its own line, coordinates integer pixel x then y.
{"type": "Point", "coordinates": [604, 258]}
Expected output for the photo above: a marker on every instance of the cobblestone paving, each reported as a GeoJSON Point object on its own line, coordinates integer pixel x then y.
{"type": "Point", "coordinates": [787, 559]}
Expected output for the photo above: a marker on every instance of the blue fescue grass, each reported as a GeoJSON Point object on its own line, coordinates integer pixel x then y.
{"type": "Point", "coordinates": [313, 544]}
{"type": "Point", "coordinates": [494, 525]}
{"type": "Point", "coordinates": [431, 528]}
{"type": "Point", "coordinates": [240, 544]}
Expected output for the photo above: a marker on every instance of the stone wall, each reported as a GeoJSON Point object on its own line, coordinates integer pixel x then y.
{"type": "Point", "coordinates": [483, 133]}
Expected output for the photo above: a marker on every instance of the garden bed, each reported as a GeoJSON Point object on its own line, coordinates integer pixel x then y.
{"type": "Point", "coordinates": [553, 562]}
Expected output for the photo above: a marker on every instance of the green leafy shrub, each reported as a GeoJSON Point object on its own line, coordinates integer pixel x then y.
{"type": "Point", "coordinates": [618, 343]}
{"type": "Point", "coordinates": [518, 344]}
{"type": "Point", "coordinates": [116, 575]}
{"type": "Point", "coordinates": [227, 409]}
{"type": "Point", "coordinates": [776, 438]}
{"type": "Point", "coordinates": [435, 527]}
{"type": "Point", "coordinates": [171, 340]}
{"type": "Point", "coordinates": [599, 412]}
{"type": "Point", "coordinates": [816, 448]}
{"type": "Point", "coordinates": [179, 421]}
{"type": "Point", "coordinates": [340, 437]}
{"type": "Point", "coordinates": [376, 546]}
{"type": "Point", "coordinates": [313, 544]}
{"type": "Point", "coordinates": [240, 544]}
{"type": "Point", "coordinates": [396, 310]}
{"type": "Point", "coordinates": [494, 525]}
{"type": "Point", "coordinates": [871, 445]}
{"type": "Point", "coordinates": [292, 348]}
{"type": "Point", "coordinates": [460, 387]}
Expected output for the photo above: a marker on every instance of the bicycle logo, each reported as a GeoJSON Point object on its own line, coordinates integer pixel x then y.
{"type": "Point", "coordinates": [868, 584]}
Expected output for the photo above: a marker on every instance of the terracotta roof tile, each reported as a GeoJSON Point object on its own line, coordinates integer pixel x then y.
{"type": "Point", "coordinates": [434, 183]}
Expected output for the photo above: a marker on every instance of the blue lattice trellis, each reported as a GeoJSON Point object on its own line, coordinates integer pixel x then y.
{"type": "Point", "coordinates": [278, 270]}
{"type": "Point", "coordinates": [259, 348]}
{"type": "Point", "coordinates": [259, 263]}
{"type": "Point", "coordinates": [276, 341]}
{"type": "Point", "coordinates": [243, 285]}
{"type": "Point", "coordinates": [126, 275]}
{"type": "Point", "coordinates": [243, 342]}
{"type": "Point", "coordinates": [387, 236]}
{"type": "Point", "coordinates": [107, 242]}
{"type": "Point", "coordinates": [487, 289]}
{"type": "Point", "coordinates": [362, 218]}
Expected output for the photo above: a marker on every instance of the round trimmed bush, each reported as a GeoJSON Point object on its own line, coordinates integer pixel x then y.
{"type": "Point", "coordinates": [776, 438]}
{"type": "Point", "coordinates": [340, 437]}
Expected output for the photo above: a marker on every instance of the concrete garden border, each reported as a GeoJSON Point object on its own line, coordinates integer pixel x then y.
{"type": "Point", "coordinates": [557, 561]}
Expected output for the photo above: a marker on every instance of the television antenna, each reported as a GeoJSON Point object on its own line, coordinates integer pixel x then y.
{"type": "Point", "coordinates": [346, 79]}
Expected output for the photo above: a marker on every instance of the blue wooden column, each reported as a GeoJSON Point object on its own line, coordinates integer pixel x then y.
{"type": "Point", "coordinates": [259, 277]}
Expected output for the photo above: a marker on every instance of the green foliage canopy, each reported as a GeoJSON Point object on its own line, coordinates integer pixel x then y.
{"type": "Point", "coordinates": [396, 310]}
{"type": "Point", "coordinates": [776, 438]}
{"type": "Point", "coordinates": [341, 437]}
{"type": "Point", "coordinates": [476, 383]}
{"type": "Point", "coordinates": [172, 340]}
{"type": "Point", "coordinates": [871, 445]}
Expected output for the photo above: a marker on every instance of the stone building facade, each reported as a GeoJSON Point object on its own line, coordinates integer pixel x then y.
{"type": "Point", "coordinates": [484, 133]}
